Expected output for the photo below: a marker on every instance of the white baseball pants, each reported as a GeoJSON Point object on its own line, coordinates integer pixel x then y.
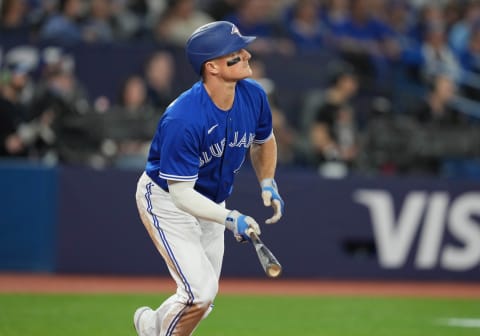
{"type": "Point", "coordinates": [193, 252]}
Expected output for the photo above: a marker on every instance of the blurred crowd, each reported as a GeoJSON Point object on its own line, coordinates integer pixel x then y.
{"type": "Point", "coordinates": [401, 94]}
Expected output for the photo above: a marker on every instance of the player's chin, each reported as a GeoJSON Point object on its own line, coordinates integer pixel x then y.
{"type": "Point", "coordinates": [245, 73]}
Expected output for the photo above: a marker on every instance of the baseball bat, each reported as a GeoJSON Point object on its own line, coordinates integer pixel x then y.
{"type": "Point", "coordinates": [270, 264]}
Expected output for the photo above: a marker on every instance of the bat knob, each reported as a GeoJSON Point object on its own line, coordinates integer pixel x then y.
{"type": "Point", "coordinates": [251, 232]}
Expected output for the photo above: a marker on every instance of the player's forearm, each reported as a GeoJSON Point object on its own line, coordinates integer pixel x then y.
{"type": "Point", "coordinates": [189, 200]}
{"type": "Point", "coordinates": [264, 158]}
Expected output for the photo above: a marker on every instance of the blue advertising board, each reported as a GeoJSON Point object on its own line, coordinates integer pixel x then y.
{"type": "Point", "coordinates": [77, 220]}
{"type": "Point", "coordinates": [28, 217]}
{"type": "Point", "coordinates": [362, 228]}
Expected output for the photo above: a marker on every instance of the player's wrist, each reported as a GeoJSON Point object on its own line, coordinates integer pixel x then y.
{"type": "Point", "coordinates": [239, 224]}
{"type": "Point", "coordinates": [268, 182]}
{"type": "Point", "coordinates": [271, 197]}
{"type": "Point", "coordinates": [230, 219]}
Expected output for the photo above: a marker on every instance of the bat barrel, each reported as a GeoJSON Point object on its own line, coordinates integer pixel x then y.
{"type": "Point", "coordinates": [274, 270]}
{"type": "Point", "coordinates": [268, 261]}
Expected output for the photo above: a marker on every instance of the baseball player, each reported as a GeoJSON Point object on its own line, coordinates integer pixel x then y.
{"type": "Point", "coordinates": [200, 144]}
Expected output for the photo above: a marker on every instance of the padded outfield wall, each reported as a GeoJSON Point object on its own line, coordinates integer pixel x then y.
{"type": "Point", "coordinates": [71, 220]}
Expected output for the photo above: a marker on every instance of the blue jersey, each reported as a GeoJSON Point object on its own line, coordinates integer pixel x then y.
{"type": "Point", "coordinates": [196, 141]}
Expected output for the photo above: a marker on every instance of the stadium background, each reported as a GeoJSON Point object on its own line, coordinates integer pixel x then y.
{"type": "Point", "coordinates": [78, 218]}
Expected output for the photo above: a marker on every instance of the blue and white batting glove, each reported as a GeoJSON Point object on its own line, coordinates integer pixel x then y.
{"type": "Point", "coordinates": [272, 198]}
{"type": "Point", "coordinates": [239, 224]}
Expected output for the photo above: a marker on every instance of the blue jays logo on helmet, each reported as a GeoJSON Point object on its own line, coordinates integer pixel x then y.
{"type": "Point", "coordinates": [235, 30]}
{"type": "Point", "coordinates": [213, 40]}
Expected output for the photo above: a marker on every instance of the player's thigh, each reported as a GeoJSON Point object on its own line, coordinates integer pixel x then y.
{"type": "Point", "coordinates": [187, 259]}
{"type": "Point", "coordinates": [178, 237]}
{"type": "Point", "coordinates": [213, 241]}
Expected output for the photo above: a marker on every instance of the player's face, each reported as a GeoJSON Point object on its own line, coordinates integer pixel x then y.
{"type": "Point", "coordinates": [235, 66]}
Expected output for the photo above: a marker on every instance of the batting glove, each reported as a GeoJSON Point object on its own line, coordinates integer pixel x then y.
{"type": "Point", "coordinates": [239, 224]}
{"type": "Point", "coordinates": [272, 198]}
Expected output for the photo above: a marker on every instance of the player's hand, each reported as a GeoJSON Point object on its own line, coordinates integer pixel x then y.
{"type": "Point", "coordinates": [272, 198]}
{"type": "Point", "coordinates": [239, 224]}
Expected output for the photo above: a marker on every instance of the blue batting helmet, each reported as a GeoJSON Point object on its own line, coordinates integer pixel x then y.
{"type": "Point", "coordinates": [213, 40]}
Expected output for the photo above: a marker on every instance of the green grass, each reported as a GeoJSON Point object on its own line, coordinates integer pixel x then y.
{"type": "Point", "coordinates": [111, 315]}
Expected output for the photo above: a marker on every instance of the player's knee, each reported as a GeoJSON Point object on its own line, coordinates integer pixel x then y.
{"type": "Point", "coordinates": [207, 293]}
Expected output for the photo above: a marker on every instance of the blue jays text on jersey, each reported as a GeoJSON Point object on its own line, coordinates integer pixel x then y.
{"type": "Point", "coordinates": [216, 150]}
{"type": "Point", "coordinates": [196, 141]}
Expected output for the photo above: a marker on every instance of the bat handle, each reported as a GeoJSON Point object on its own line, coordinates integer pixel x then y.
{"type": "Point", "coordinates": [252, 234]}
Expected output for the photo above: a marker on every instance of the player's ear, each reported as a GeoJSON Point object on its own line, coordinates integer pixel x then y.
{"type": "Point", "coordinates": [211, 67]}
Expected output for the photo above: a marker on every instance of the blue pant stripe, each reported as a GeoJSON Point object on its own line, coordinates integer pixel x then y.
{"type": "Point", "coordinates": [167, 246]}
{"type": "Point", "coordinates": [174, 322]}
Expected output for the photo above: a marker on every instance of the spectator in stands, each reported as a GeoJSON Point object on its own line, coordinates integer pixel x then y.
{"type": "Point", "coordinates": [384, 141]}
{"type": "Point", "coordinates": [58, 81]}
{"type": "Point", "coordinates": [459, 33]}
{"type": "Point", "coordinates": [13, 15]}
{"type": "Point", "coordinates": [14, 23]}
{"type": "Point", "coordinates": [12, 113]}
{"type": "Point", "coordinates": [61, 109]}
{"type": "Point", "coordinates": [155, 8]}
{"type": "Point", "coordinates": [128, 21]}
{"type": "Point", "coordinates": [99, 24]}
{"type": "Point", "coordinates": [63, 28]}
{"type": "Point", "coordinates": [436, 109]}
{"type": "Point", "coordinates": [399, 19]}
{"type": "Point", "coordinates": [252, 17]}
{"type": "Point", "coordinates": [364, 41]}
{"type": "Point", "coordinates": [285, 134]}
{"type": "Point", "coordinates": [24, 61]}
{"type": "Point", "coordinates": [304, 25]}
{"type": "Point", "coordinates": [329, 121]}
{"type": "Point", "coordinates": [39, 13]}
{"type": "Point", "coordinates": [470, 61]}
{"type": "Point", "coordinates": [454, 11]}
{"type": "Point", "coordinates": [382, 12]}
{"type": "Point", "coordinates": [436, 55]}
{"type": "Point", "coordinates": [438, 117]}
{"type": "Point", "coordinates": [408, 27]}
{"type": "Point", "coordinates": [426, 15]}
{"type": "Point", "coordinates": [335, 15]}
{"type": "Point", "coordinates": [138, 7]}
{"type": "Point", "coordinates": [220, 9]}
{"type": "Point", "coordinates": [178, 22]}
{"type": "Point", "coordinates": [133, 95]}
{"type": "Point", "coordinates": [129, 125]}
{"type": "Point", "coordinates": [159, 73]}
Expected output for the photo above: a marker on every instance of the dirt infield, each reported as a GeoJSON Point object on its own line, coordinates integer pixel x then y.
{"type": "Point", "coordinates": [49, 283]}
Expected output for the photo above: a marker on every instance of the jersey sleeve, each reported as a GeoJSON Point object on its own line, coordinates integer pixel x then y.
{"type": "Point", "coordinates": [264, 129]}
{"type": "Point", "coordinates": [179, 151]}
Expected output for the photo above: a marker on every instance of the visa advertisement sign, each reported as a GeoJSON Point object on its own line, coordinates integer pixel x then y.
{"type": "Point", "coordinates": [429, 217]}
{"type": "Point", "coordinates": [398, 228]}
